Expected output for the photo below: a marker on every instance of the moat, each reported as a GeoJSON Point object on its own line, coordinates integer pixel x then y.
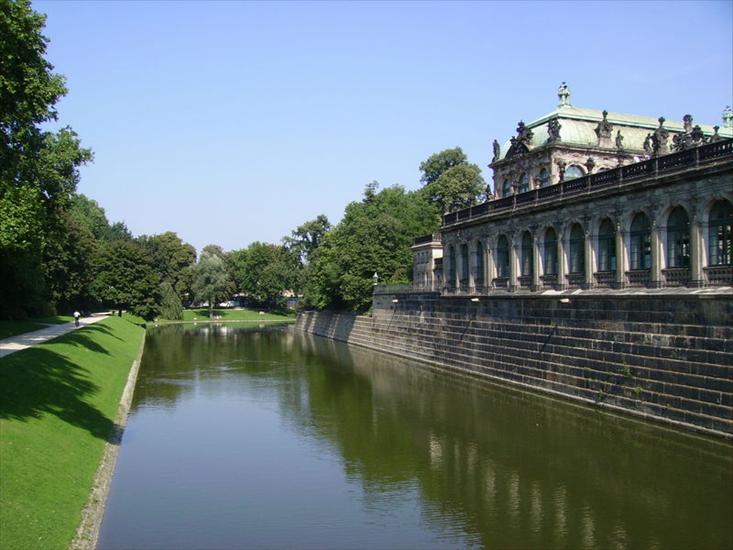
{"type": "Point", "coordinates": [269, 438]}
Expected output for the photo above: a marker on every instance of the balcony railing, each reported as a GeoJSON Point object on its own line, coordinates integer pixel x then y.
{"type": "Point", "coordinates": [719, 274]}
{"type": "Point", "coordinates": [576, 280]}
{"type": "Point", "coordinates": [638, 277]}
{"type": "Point", "coordinates": [605, 278]}
{"type": "Point", "coordinates": [525, 281]}
{"type": "Point", "coordinates": [549, 281]}
{"type": "Point", "coordinates": [709, 152]}
{"type": "Point", "coordinates": [424, 239]}
{"type": "Point", "coordinates": [676, 276]}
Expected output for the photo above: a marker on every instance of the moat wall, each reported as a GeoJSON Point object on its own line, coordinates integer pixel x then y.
{"type": "Point", "coordinates": [664, 357]}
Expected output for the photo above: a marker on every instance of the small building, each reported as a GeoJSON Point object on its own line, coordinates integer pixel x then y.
{"type": "Point", "coordinates": [587, 199]}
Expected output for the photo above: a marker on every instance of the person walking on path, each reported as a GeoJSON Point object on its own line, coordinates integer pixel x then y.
{"type": "Point", "coordinates": [77, 315]}
{"type": "Point", "coordinates": [22, 341]}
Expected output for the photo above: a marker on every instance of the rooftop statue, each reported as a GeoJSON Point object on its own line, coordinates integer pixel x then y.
{"type": "Point", "coordinates": [497, 151]}
{"type": "Point", "coordinates": [619, 141]}
{"type": "Point", "coordinates": [659, 139]}
{"type": "Point", "coordinates": [563, 94]}
{"type": "Point", "coordinates": [727, 117]}
{"type": "Point", "coordinates": [553, 130]}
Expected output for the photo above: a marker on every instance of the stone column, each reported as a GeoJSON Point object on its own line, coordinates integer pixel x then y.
{"type": "Point", "coordinates": [588, 252]}
{"type": "Point", "coordinates": [535, 261]}
{"type": "Point", "coordinates": [620, 257]}
{"type": "Point", "coordinates": [696, 278]}
{"type": "Point", "coordinates": [561, 282]}
{"type": "Point", "coordinates": [490, 272]}
{"type": "Point", "coordinates": [655, 276]}
{"type": "Point", "coordinates": [513, 264]}
{"type": "Point", "coordinates": [472, 264]}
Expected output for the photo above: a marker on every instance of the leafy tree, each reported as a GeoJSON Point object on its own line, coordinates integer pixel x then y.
{"type": "Point", "coordinates": [172, 259]}
{"type": "Point", "coordinates": [211, 282]}
{"type": "Point", "coordinates": [450, 182]}
{"type": "Point", "coordinates": [38, 168]}
{"type": "Point", "coordinates": [126, 279]}
{"type": "Point", "coordinates": [264, 272]}
{"type": "Point", "coordinates": [304, 240]}
{"type": "Point", "coordinates": [375, 235]}
{"type": "Point", "coordinates": [170, 304]}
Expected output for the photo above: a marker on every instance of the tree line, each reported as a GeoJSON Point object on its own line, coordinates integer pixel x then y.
{"type": "Point", "coordinates": [59, 252]}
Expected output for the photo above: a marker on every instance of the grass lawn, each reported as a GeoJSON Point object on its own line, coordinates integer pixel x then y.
{"type": "Point", "coordinates": [11, 328]}
{"type": "Point", "coordinates": [58, 401]}
{"type": "Point", "coordinates": [235, 315]}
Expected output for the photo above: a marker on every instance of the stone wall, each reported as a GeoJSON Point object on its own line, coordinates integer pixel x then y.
{"type": "Point", "coordinates": [664, 357]}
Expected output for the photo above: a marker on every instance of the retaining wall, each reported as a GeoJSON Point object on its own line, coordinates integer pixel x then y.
{"type": "Point", "coordinates": [665, 357]}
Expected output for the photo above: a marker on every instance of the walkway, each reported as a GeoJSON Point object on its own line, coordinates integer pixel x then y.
{"type": "Point", "coordinates": [28, 339]}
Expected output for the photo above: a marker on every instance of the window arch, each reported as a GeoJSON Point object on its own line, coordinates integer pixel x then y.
{"type": "Point", "coordinates": [502, 257]}
{"type": "Point", "coordinates": [506, 188]}
{"type": "Point", "coordinates": [526, 258]}
{"type": "Point", "coordinates": [640, 248]}
{"type": "Point", "coordinates": [720, 234]}
{"type": "Point", "coordinates": [524, 183]}
{"type": "Point", "coordinates": [606, 246]}
{"type": "Point", "coordinates": [549, 259]}
{"type": "Point", "coordinates": [678, 238]}
{"type": "Point", "coordinates": [577, 249]}
{"type": "Point", "coordinates": [544, 178]}
{"type": "Point", "coordinates": [479, 277]}
{"type": "Point", "coordinates": [574, 171]}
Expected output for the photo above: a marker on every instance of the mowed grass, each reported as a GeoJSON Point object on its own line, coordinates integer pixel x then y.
{"type": "Point", "coordinates": [58, 402]}
{"type": "Point", "coordinates": [13, 328]}
{"type": "Point", "coordinates": [235, 315]}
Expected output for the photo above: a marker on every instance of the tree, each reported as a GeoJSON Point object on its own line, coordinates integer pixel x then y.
{"type": "Point", "coordinates": [126, 280]}
{"type": "Point", "coordinates": [210, 279]}
{"type": "Point", "coordinates": [170, 304]}
{"type": "Point", "coordinates": [450, 182]}
{"type": "Point", "coordinates": [38, 168]}
{"type": "Point", "coordinates": [375, 235]}
{"type": "Point", "coordinates": [172, 259]}
{"type": "Point", "coordinates": [264, 272]}
{"type": "Point", "coordinates": [306, 238]}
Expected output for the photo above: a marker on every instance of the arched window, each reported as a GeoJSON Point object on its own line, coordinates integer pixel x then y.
{"type": "Point", "coordinates": [606, 246]}
{"type": "Point", "coordinates": [526, 260]}
{"type": "Point", "coordinates": [479, 278]}
{"type": "Point", "coordinates": [720, 234]}
{"type": "Point", "coordinates": [451, 265]}
{"type": "Point", "coordinates": [464, 265]}
{"type": "Point", "coordinates": [640, 242]}
{"type": "Point", "coordinates": [502, 257]}
{"type": "Point", "coordinates": [573, 171]}
{"type": "Point", "coordinates": [506, 188]}
{"type": "Point", "coordinates": [544, 178]}
{"type": "Point", "coordinates": [577, 249]}
{"type": "Point", "coordinates": [678, 238]}
{"type": "Point", "coordinates": [524, 183]}
{"type": "Point", "coordinates": [549, 259]}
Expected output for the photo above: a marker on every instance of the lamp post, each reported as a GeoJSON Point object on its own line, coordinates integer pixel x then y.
{"type": "Point", "coordinates": [375, 279]}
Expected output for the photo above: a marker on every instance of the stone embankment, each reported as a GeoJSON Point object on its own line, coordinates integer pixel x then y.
{"type": "Point", "coordinates": [666, 358]}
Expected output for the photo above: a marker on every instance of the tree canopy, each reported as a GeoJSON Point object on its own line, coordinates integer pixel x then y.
{"type": "Point", "coordinates": [450, 181]}
{"type": "Point", "coordinates": [264, 272]}
{"type": "Point", "coordinates": [210, 280]}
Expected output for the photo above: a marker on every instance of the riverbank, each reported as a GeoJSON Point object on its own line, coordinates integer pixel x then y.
{"type": "Point", "coordinates": [59, 406]}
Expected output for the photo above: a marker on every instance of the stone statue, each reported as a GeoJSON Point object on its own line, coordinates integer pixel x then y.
{"type": "Point", "coordinates": [619, 141]}
{"type": "Point", "coordinates": [604, 130]}
{"type": "Point", "coordinates": [648, 144]}
{"type": "Point", "coordinates": [715, 137]}
{"type": "Point", "coordinates": [497, 151]}
{"type": "Point", "coordinates": [697, 135]}
{"type": "Point", "coordinates": [727, 117]}
{"type": "Point", "coordinates": [553, 130]}
{"type": "Point", "coordinates": [659, 139]}
{"type": "Point", "coordinates": [563, 94]}
{"type": "Point", "coordinates": [520, 144]}
{"type": "Point", "coordinates": [590, 164]}
{"type": "Point", "coordinates": [561, 167]}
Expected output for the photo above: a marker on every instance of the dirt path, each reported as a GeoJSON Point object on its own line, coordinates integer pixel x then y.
{"type": "Point", "coordinates": [28, 339]}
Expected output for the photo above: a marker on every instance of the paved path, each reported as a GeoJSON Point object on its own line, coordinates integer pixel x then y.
{"type": "Point", "coordinates": [28, 339]}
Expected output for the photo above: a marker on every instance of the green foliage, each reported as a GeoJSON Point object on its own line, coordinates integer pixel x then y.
{"type": "Point", "coordinates": [304, 240]}
{"type": "Point", "coordinates": [263, 272]}
{"type": "Point", "coordinates": [211, 281]}
{"type": "Point", "coordinates": [375, 235]}
{"type": "Point", "coordinates": [38, 168]}
{"type": "Point", "coordinates": [170, 303]}
{"type": "Point", "coordinates": [450, 182]}
{"type": "Point", "coordinates": [126, 279]}
{"type": "Point", "coordinates": [172, 259]}
{"type": "Point", "coordinates": [59, 402]}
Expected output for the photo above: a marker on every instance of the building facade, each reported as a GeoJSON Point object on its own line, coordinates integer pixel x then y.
{"type": "Point", "coordinates": [588, 199]}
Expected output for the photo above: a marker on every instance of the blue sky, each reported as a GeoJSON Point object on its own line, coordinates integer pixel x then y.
{"type": "Point", "coordinates": [233, 122]}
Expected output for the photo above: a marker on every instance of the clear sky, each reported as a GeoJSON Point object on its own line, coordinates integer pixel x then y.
{"type": "Point", "coordinates": [234, 122]}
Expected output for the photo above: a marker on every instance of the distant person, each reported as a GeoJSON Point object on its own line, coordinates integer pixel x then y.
{"type": "Point", "coordinates": [77, 315]}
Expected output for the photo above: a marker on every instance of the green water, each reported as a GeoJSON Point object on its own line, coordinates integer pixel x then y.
{"type": "Point", "coordinates": [266, 438]}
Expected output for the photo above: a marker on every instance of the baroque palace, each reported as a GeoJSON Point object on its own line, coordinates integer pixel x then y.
{"type": "Point", "coordinates": [587, 199]}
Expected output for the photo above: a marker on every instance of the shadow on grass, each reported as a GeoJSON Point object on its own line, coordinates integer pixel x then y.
{"type": "Point", "coordinates": [37, 381]}
{"type": "Point", "coordinates": [205, 312]}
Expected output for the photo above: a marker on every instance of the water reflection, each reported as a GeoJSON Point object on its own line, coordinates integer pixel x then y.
{"type": "Point", "coordinates": [406, 456]}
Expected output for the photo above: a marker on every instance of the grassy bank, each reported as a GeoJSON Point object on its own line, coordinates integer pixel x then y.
{"type": "Point", "coordinates": [58, 401]}
{"type": "Point", "coordinates": [191, 315]}
{"type": "Point", "coordinates": [13, 328]}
